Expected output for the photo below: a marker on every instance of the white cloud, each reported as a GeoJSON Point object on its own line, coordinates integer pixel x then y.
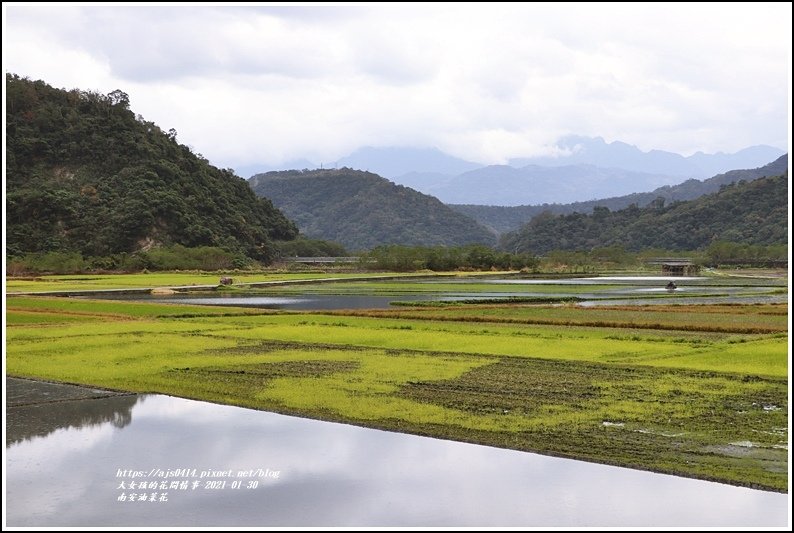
{"type": "Point", "coordinates": [246, 85]}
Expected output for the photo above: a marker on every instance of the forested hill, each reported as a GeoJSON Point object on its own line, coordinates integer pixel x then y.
{"type": "Point", "coordinates": [753, 212]}
{"type": "Point", "coordinates": [505, 219]}
{"type": "Point", "coordinates": [85, 174]}
{"type": "Point", "coordinates": [362, 210]}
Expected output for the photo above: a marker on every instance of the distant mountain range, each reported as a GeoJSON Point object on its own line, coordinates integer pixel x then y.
{"type": "Point", "coordinates": [504, 185]}
{"type": "Point", "coordinates": [505, 219]}
{"type": "Point", "coordinates": [362, 210]}
{"type": "Point", "coordinates": [392, 162]}
{"type": "Point", "coordinates": [587, 168]}
{"type": "Point", "coordinates": [595, 151]}
{"type": "Point", "coordinates": [388, 162]}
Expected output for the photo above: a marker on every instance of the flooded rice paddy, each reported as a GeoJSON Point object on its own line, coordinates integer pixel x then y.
{"type": "Point", "coordinates": [73, 453]}
{"type": "Point", "coordinates": [73, 462]}
{"type": "Point", "coordinates": [612, 290]}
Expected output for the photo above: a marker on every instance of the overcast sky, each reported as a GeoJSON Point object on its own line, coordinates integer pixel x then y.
{"type": "Point", "coordinates": [484, 82]}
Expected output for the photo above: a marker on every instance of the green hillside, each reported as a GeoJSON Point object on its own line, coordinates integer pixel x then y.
{"type": "Point", "coordinates": [362, 210]}
{"type": "Point", "coordinates": [753, 212]}
{"type": "Point", "coordinates": [85, 174]}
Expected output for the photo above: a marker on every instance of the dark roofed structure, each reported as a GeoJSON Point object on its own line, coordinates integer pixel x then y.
{"type": "Point", "coordinates": [676, 266]}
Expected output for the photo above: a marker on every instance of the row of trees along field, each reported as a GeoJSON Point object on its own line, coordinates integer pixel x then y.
{"type": "Point", "coordinates": [395, 258]}
{"type": "Point", "coordinates": [476, 257]}
{"type": "Point", "coordinates": [441, 258]}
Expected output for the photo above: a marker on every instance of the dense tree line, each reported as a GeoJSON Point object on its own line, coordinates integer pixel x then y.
{"type": "Point", "coordinates": [175, 257]}
{"type": "Point", "coordinates": [362, 210]}
{"type": "Point", "coordinates": [754, 213]}
{"type": "Point", "coordinates": [724, 253]}
{"type": "Point", "coordinates": [303, 247]}
{"type": "Point", "coordinates": [442, 258]}
{"type": "Point", "coordinates": [86, 175]}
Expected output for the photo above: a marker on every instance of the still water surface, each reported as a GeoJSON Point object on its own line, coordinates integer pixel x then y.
{"type": "Point", "coordinates": [628, 290]}
{"type": "Point", "coordinates": [63, 461]}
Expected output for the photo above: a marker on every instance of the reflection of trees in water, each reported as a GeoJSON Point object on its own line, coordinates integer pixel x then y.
{"type": "Point", "coordinates": [30, 421]}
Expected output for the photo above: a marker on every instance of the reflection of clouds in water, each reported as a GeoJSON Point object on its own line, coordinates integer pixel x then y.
{"type": "Point", "coordinates": [340, 475]}
{"type": "Point", "coordinates": [42, 479]}
{"type": "Point", "coordinates": [169, 408]}
{"type": "Point", "coordinates": [480, 485]}
{"type": "Point", "coordinates": [645, 278]}
{"type": "Point", "coordinates": [664, 289]}
{"type": "Point", "coordinates": [43, 441]}
{"type": "Point", "coordinates": [231, 300]}
{"type": "Point", "coordinates": [585, 281]}
{"type": "Point", "coordinates": [242, 436]}
{"type": "Point", "coordinates": [62, 442]}
{"type": "Point", "coordinates": [576, 281]}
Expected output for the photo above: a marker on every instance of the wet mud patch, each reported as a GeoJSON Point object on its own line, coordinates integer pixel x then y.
{"type": "Point", "coordinates": [277, 346]}
{"type": "Point", "coordinates": [28, 392]}
{"type": "Point", "coordinates": [769, 458]}
{"type": "Point", "coordinates": [244, 377]}
{"type": "Point", "coordinates": [514, 385]}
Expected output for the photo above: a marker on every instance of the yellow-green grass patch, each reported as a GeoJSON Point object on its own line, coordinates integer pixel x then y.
{"type": "Point", "coordinates": [83, 282]}
{"type": "Point", "coordinates": [117, 308]}
{"type": "Point", "coordinates": [689, 350]}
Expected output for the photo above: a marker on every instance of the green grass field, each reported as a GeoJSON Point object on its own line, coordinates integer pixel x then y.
{"type": "Point", "coordinates": [699, 391]}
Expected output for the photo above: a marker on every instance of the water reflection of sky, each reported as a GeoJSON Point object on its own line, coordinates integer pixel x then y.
{"type": "Point", "coordinates": [642, 290]}
{"type": "Point", "coordinates": [600, 280]}
{"type": "Point", "coordinates": [340, 475]}
{"type": "Point", "coordinates": [317, 302]}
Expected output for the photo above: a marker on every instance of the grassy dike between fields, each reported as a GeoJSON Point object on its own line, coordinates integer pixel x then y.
{"type": "Point", "coordinates": [704, 397]}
